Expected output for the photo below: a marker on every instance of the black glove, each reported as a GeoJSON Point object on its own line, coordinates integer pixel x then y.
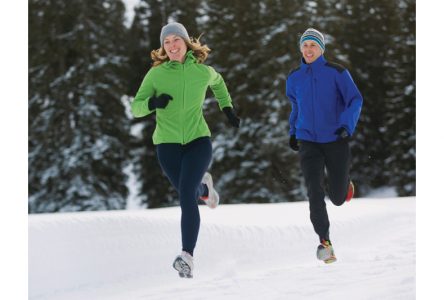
{"type": "Point", "coordinates": [231, 116]}
{"type": "Point", "coordinates": [293, 142]}
{"type": "Point", "coordinates": [159, 102]}
{"type": "Point", "coordinates": [342, 133]}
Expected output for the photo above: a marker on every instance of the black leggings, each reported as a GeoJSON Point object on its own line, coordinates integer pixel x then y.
{"type": "Point", "coordinates": [315, 157]}
{"type": "Point", "coordinates": [185, 165]}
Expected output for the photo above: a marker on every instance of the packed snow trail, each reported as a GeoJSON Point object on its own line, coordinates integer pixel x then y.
{"type": "Point", "coordinates": [248, 251]}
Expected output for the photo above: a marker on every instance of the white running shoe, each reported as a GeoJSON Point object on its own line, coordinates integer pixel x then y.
{"type": "Point", "coordinates": [325, 252]}
{"type": "Point", "coordinates": [184, 265]}
{"type": "Point", "coordinates": [213, 197]}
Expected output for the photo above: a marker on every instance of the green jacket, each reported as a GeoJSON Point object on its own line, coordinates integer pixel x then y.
{"type": "Point", "coordinates": [182, 120]}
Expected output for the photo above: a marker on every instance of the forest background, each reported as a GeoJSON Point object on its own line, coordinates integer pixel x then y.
{"type": "Point", "coordinates": [87, 60]}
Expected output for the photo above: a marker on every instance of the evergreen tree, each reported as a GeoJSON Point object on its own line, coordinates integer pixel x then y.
{"type": "Point", "coordinates": [143, 156]}
{"type": "Point", "coordinates": [78, 131]}
{"type": "Point", "coordinates": [250, 42]}
{"type": "Point", "coordinates": [369, 38]}
{"type": "Point", "coordinates": [150, 17]}
{"type": "Point", "coordinates": [401, 107]}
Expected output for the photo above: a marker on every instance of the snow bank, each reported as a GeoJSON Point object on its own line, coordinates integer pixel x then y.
{"type": "Point", "coordinates": [256, 251]}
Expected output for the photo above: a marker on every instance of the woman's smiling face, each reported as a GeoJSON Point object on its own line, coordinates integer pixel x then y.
{"type": "Point", "coordinates": [175, 47]}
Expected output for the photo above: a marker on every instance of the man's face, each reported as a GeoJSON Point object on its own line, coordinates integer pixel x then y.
{"type": "Point", "coordinates": [310, 51]}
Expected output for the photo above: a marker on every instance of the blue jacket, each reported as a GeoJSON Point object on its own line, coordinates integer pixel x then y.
{"type": "Point", "coordinates": [323, 98]}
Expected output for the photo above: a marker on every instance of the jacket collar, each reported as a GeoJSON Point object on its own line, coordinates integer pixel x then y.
{"type": "Point", "coordinates": [189, 58]}
{"type": "Point", "coordinates": [314, 65]}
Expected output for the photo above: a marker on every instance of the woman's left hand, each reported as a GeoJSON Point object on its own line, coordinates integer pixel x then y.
{"type": "Point", "coordinates": [231, 116]}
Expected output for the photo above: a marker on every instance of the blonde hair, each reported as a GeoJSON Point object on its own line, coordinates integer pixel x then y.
{"type": "Point", "coordinates": [200, 52]}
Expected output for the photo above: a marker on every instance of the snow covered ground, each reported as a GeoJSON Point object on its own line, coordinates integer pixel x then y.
{"type": "Point", "coordinates": [255, 251]}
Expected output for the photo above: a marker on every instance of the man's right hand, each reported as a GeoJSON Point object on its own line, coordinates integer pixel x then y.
{"type": "Point", "coordinates": [293, 142]}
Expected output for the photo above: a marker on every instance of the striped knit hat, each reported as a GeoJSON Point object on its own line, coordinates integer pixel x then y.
{"type": "Point", "coordinates": [314, 35]}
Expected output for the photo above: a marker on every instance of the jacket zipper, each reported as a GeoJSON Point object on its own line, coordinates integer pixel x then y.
{"type": "Point", "coordinates": [183, 104]}
{"type": "Point", "coordinates": [313, 97]}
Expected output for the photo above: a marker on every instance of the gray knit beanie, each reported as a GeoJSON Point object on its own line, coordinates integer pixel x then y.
{"type": "Point", "coordinates": [314, 35]}
{"type": "Point", "coordinates": [173, 28]}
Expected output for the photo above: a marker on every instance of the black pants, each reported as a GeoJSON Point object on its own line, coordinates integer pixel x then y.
{"type": "Point", "coordinates": [185, 165]}
{"type": "Point", "coordinates": [315, 158]}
